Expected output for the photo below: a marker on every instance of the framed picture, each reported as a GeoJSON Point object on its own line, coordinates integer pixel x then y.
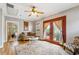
{"type": "Point", "coordinates": [26, 26]}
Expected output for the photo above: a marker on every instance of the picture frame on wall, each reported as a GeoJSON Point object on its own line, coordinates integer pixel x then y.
{"type": "Point", "coordinates": [26, 26]}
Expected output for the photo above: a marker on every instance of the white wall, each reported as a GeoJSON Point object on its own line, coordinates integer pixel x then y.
{"type": "Point", "coordinates": [2, 21]}
{"type": "Point", "coordinates": [0, 27]}
{"type": "Point", "coordinates": [72, 22]}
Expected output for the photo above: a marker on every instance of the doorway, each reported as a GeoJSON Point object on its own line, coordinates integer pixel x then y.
{"type": "Point", "coordinates": [11, 28]}
{"type": "Point", "coordinates": [55, 29]}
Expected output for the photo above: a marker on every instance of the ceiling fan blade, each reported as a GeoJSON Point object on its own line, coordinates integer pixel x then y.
{"type": "Point", "coordinates": [27, 11]}
{"type": "Point", "coordinates": [37, 15]}
{"type": "Point", "coordinates": [40, 12]}
{"type": "Point", "coordinates": [29, 14]}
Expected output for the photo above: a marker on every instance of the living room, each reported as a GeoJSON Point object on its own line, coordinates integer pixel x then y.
{"type": "Point", "coordinates": [33, 22]}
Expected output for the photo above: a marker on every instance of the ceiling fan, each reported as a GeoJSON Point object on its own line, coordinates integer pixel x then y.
{"type": "Point", "coordinates": [34, 11]}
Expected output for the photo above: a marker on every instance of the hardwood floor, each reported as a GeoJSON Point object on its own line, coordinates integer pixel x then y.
{"type": "Point", "coordinates": [6, 50]}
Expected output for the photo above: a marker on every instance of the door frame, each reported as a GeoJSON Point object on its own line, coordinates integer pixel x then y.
{"type": "Point", "coordinates": [15, 22]}
{"type": "Point", "coordinates": [63, 18]}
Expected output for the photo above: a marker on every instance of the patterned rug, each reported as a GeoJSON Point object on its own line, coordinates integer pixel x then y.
{"type": "Point", "coordinates": [38, 48]}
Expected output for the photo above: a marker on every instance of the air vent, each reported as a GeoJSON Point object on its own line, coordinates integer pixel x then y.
{"type": "Point", "coordinates": [10, 5]}
{"type": "Point", "coordinates": [11, 10]}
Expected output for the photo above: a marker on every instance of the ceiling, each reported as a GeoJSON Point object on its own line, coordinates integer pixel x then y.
{"type": "Point", "coordinates": [47, 8]}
